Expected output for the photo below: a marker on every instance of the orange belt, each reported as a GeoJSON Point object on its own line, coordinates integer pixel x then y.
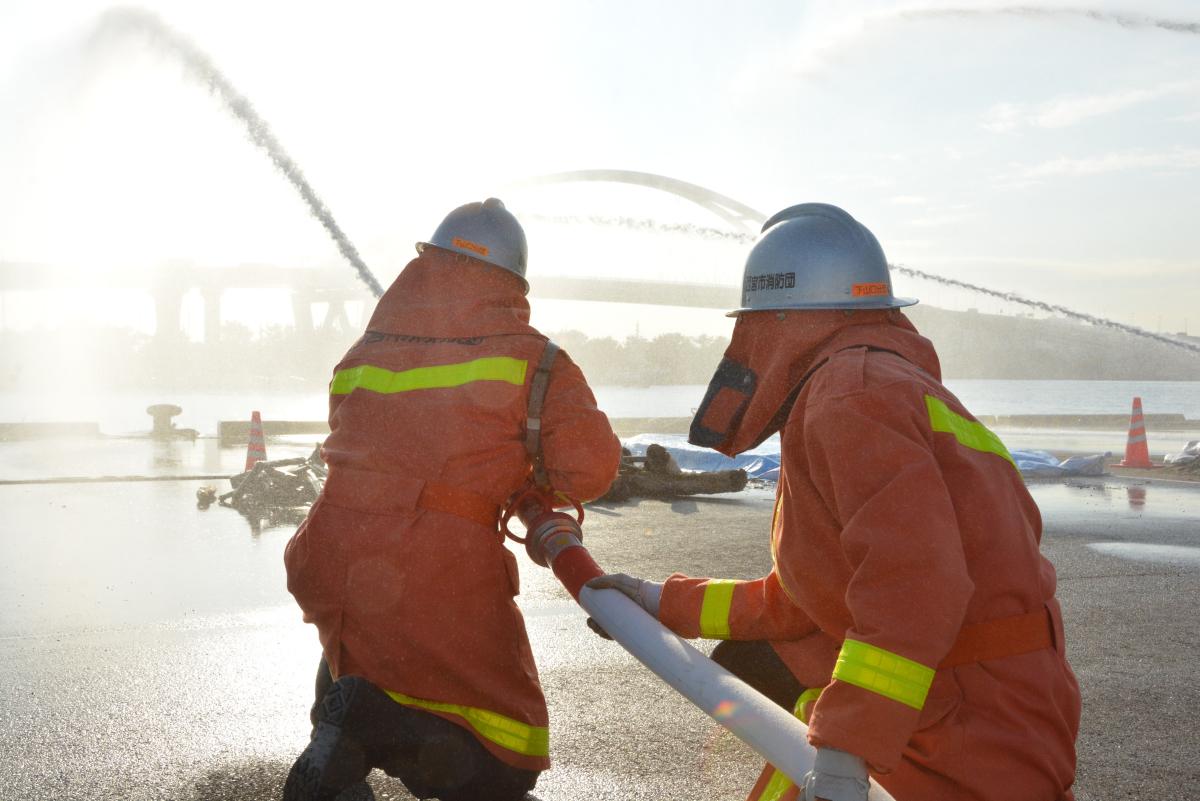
{"type": "Point", "coordinates": [396, 494]}
{"type": "Point", "coordinates": [1006, 636]}
{"type": "Point", "coordinates": [462, 503]}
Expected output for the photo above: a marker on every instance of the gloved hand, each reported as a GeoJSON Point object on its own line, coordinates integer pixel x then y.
{"type": "Point", "coordinates": [836, 776]}
{"type": "Point", "coordinates": [645, 594]}
{"type": "Point", "coordinates": [596, 627]}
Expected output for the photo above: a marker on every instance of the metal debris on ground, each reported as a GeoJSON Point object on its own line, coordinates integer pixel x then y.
{"type": "Point", "coordinates": [277, 484]}
{"type": "Point", "coordinates": [1186, 461]}
{"type": "Point", "coordinates": [658, 475]}
{"type": "Point", "coordinates": [206, 496]}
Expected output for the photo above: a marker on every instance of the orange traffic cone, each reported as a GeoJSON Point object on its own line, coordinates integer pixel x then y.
{"type": "Point", "coordinates": [256, 451]}
{"type": "Point", "coordinates": [1137, 454]}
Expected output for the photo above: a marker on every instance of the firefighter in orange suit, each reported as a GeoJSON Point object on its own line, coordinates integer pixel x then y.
{"type": "Point", "coordinates": [909, 617]}
{"type": "Point", "coordinates": [400, 564]}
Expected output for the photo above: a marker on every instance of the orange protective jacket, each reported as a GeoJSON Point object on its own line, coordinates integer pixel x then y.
{"type": "Point", "coordinates": [416, 599]}
{"type": "Point", "coordinates": [901, 523]}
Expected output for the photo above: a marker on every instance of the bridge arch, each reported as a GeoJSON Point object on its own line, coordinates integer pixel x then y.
{"type": "Point", "coordinates": [728, 209]}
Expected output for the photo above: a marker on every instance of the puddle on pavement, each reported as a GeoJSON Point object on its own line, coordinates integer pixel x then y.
{"type": "Point", "coordinates": [1076, 496]}
{"type": "Point", "coordinates": [1149, 552]}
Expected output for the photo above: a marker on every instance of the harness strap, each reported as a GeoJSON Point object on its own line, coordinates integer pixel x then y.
{"type": "Point", "coordinates": [1005, 636]}
{"type": "Point", "coordinates": [453, 500]}
{"type": "Point", "coordinates": [533, 416]}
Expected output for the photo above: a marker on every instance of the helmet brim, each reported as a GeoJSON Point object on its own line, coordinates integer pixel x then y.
{"type": "Point", "coordinates": [893, 303]}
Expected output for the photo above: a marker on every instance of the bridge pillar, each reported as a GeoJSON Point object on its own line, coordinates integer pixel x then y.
{"type": "Point", "coordinates": [336, 318]}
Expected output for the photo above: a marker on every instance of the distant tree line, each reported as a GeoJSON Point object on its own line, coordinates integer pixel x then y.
{"type": "Point", "coordinates": [636, 361]}
{"type": "Point", "coordinates": [281, 358]}
{"type": "Point", "coordinates": [284, 359]}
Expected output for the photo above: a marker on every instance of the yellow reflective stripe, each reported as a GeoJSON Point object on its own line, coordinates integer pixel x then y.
{"type": "Point", "coordinates": [777, 785]}
{"type": "Point", "coordinates": [441, 376]}
{"type": "Point", "coordinates": [883, 672]}
{"type": "Point", "coordinates": [505, 732]}
{"type": "Point", "coordinates": [809, 696]}
{"type": "Point", "coordinates": [714, 611]}
{"type": "Point", "coordinates": [973, 435]}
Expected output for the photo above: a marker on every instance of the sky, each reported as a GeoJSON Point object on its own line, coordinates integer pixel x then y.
{"type": "Point", "coordinates": [1048, 149]}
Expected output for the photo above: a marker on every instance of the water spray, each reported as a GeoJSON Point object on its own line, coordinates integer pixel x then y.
{"type": "Point", "coordinates": [1053, 308]}
{"type": "Point", "coordinates": [201, 67]}
{"type": "Point", "coordinates": [702, 232]}
{"type": "Point", "coordinates": [645, 224]}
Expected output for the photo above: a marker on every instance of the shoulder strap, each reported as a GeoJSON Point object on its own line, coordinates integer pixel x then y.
{"type": "Point", "coordinates": [533, 415]}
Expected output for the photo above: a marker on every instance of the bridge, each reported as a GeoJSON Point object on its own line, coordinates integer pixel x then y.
{"type": "Point", "coordinates": [310, 286]}
{"type": "Point", "coordinates": [738, 215]}
{"type": "Point", "coordinates": [336, 287]}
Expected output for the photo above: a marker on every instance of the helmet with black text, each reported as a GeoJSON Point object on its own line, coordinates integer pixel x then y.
{"type": "Point", "coordinates": [813, 271]}
{"type": "Point", "coordinates": [816, 256]}
{"type": "Point", "coordinates": [485, 231]}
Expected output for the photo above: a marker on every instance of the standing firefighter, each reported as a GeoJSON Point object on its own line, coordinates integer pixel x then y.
{"type": "Point", "coordinates": [400, 563]}
{"type": "Point", "coordinates": [908, 594]}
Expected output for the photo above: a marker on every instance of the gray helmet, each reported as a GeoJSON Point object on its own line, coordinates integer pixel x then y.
{"type": "Point", "coordinates": [816, 256]}
{"type": "Point", "coordinates": [485, 231]}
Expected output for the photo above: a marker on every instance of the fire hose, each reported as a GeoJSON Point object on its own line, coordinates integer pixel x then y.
{"type": "Point", "coordinates": [554, 539]}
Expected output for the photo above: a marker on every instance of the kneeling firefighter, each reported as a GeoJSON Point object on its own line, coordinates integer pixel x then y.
{"type": "Point", "coordinates": [909, 617]}
{"type": "Point", "coordinates": [448, 405]}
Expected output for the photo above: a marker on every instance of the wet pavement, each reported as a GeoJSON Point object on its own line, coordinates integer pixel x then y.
{"type": "Point", "coordinates": [152, 651]}
{"type": "Point", "coordinates": [1085, 441]}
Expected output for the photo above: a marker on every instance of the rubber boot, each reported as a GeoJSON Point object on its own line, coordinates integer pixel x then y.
{"type": "Point", "coordinates": [337, 756]}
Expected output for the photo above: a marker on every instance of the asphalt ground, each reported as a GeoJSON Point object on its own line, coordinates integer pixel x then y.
{"type": "Point", "coordinates": [150, 649]}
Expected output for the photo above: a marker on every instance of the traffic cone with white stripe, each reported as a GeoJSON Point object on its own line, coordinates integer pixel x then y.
{"type": "Point", "coordinates": [256, 450]}
{"type": "Point", "coordinates": [1137, 454]}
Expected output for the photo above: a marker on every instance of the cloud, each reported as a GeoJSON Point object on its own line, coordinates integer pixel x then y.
{"type": "Point", "coordinates": [829, 30]}
{"type": "Point", "coordinates": [1175, 160]}
{"type": "Point", "coordinates": [908, 200]}
{"type": "Point", "coordinates": [1066, 111]}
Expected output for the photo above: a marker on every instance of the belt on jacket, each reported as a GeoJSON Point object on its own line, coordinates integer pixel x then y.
{"type": "Point", "coordinates": [1005, 636]}
{"type": "Point", "coordinates": [396, 494]}
{"type": "Point", "coordinates": [457, 501]}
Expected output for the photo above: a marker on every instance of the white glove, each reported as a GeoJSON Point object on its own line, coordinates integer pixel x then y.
{"type": "Point", "coordinates": [836, 776]}
{"type": "Point", "coordinates": [645, 594]}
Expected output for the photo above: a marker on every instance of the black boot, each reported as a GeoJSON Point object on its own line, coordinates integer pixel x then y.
{"type": "Point", "coordinates": [338, 757]}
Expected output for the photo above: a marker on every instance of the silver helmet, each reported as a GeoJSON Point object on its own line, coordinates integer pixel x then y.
{"type": "Point", "coordinates": [816, 256]}
{"type": "Point", "coordinates": [485, 231]}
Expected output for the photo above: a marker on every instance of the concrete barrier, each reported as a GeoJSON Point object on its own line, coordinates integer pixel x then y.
{"type": "Point", "coordinates": [237, 432]}
{"type": "Point", "coordinates": [1117, 422]}
{"type": "Point", "coordinates": [12, 432]}
{"type": "Point", "coordinates": [628, 426]}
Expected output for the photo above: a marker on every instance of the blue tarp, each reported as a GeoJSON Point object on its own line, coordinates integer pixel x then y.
{"type": "Point", "coordinates": [1043, 464]}
{"type": "Point", "coordinates": [763, 461]}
